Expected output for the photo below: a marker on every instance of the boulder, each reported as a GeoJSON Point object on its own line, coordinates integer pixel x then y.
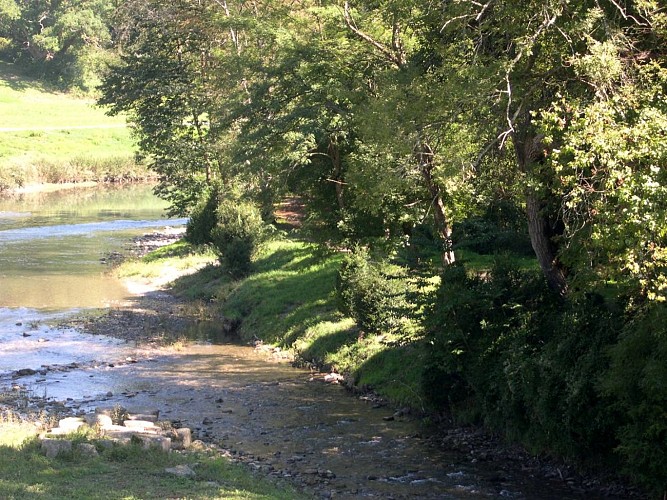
{"type": "Point", "coordinates": [71, 424]}
{"type": "Point", "coordinates": [180, 471]}
{"type": "Point", "coordinates": [87, 450]}
{"type": "Point", "coordinates": [54, 447]}
{"type": "Point", "coordinates": [153, 441]}
{"type": "Point", "coordinates": [180, 438]}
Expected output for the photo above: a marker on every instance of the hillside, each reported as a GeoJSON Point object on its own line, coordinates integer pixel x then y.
{"type": "Point", "coordinates": [47, 136]}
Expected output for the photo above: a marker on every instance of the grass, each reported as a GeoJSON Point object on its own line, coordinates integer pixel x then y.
{"type": "Point", "coordinates": [177, 256]}
{"type": "Point", "coordinates": [121, 472]}
{"type": "Point", "coordinates": [48, 136]}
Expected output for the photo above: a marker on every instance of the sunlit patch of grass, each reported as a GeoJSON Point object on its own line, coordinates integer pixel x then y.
{"type": "Point", "coordinates": [176, 256]}
{"type": "Point", "coordinates": [14, 433]}
{"type": "Point", "coordinates": [126, 472]}
{"type": "Point", "coordinates": [50, 136]}
{"type": "Point", "coordinates": [291, 290]}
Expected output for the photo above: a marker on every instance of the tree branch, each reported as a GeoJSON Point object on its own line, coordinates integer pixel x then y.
{"type": "Point", "coordinates": [396, 58]}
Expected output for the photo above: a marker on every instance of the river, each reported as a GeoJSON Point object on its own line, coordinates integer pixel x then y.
{"type": "Point", "coordinates": [51, 247]}
{"type": "Point", "coordinates": [286, 422]}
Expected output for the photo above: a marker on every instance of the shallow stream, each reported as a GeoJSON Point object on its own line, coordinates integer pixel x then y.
{"type": "Point", "coordinates": [51, 250]}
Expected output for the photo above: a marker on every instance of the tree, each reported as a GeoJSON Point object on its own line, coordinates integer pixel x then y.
{"type": "Point", "coordinates": [57, 36]}
{"type": "Point", "coordinates": [163, 83]}
{"type": "Point", "coordinates": [530, 49]}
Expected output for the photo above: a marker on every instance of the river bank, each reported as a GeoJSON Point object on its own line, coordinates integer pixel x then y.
{"type": "Point", "coordinates": [297, 425]}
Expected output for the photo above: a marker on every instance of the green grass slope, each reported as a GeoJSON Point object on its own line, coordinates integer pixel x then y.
{"type": "Point", "coordinates": [47, 136]}
{"type": "Point", "coordinates": [290, 301]}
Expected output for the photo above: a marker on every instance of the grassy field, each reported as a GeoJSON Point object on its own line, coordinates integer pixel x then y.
{"type": "Point", "coordinates": [47, 136]}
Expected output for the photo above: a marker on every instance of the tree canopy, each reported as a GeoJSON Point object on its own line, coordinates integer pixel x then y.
{"type": "Point", "coordinates": [400, 122]}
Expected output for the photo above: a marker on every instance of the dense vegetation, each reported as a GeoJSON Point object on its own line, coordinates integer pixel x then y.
{"type": "Point", "coordinates": [63, 42]}
{"type": "Point", "coordinates": [419, 132]}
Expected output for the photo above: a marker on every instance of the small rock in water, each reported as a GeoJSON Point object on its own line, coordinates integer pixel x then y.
{"type": "Point", "coordinates": [26, 334]}
{"type": "Point", "coordinates": [25, 372]}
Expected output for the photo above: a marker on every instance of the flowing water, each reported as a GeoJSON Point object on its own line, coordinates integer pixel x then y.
{"type": "Point", "coordinates": [51, 247]}
{"type": "Point", "coordinates": [286, 422]}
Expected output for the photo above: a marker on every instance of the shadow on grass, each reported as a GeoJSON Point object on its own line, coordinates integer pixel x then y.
{"type": "Point", "coordinates": [18, 79]}
{"type": "Point", "coordinates": [396, 373]}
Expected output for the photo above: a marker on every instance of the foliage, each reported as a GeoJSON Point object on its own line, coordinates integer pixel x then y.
{"type": "Point", "coordinates": [238, 232]}
{"type": "Point", "coordinates": [169, 111]}
{"type": "Point", "coordinates": [509, 354]}
{"type": "Point", "coordinates": [375, 299]}
{"type": "Point", "coordinates": [636, 381]}
{"type": "Point", "coordinates": [203, 218]}
{"type": "Point", "coordinates": [501, 228]}
{"type": "Point", "coordinates": [57, 41]}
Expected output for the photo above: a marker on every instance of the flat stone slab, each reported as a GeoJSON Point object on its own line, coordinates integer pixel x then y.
{"type": "Point", "coordinates": [142, 413]}
{"type": "Point", "coordinates": [142, 426]}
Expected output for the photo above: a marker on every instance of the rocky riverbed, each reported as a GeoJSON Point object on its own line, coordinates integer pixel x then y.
{"type": "Point", "coordinates": [249, 403]}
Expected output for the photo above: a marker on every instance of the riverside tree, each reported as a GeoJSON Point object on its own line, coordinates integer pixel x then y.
{"type": "Point", "coordinates": [64, 41]}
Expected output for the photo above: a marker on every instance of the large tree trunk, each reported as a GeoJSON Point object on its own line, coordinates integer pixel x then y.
{"type": "Point", "coordinates": [424, 156]}
{"type": "Point", "coordinates": [541, 228]}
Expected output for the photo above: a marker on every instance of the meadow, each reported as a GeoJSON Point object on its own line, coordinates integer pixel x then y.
{"type": "Point", "coordinates": [48, 136]}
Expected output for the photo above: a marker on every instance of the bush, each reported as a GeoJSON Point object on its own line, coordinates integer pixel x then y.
{"type": "Point", "coordinates": [374, 299]}
{"type": "Point", "coordinates": [238, 232]}
{"type": "Point", "coordinates": [637, 380]}
{"type": "Point", "coordinates": [204, 218]}
{"type": "Point", "coordinates": [508, 353]}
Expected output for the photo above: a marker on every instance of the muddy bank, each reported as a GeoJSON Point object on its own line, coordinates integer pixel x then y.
{"type": "Point", "coordinates": [297, 425]}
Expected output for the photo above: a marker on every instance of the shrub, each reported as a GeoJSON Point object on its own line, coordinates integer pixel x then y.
{"type": "Point", "coordinates": [374, 299]}
{"type": "Point", "coordinates": [238, 232]}
{"type": "Point", "coordinates": [204, 218]}
{"type": "Point", "coordinates": [508, 353]}
{"type": "Point", "coordinates": [637, 379]}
